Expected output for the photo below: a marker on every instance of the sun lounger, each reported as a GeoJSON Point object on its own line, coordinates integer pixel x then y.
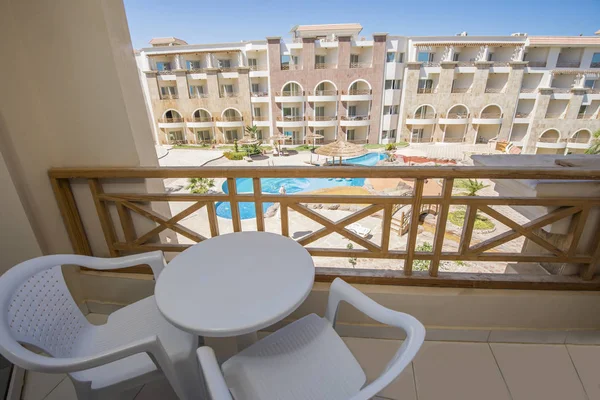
{"type": "Point", "coordinates": [359, 230]}
{"type": "Point", "coordinates": [275, 152]}
{"type": "Point", "coordinates": [247, 158]}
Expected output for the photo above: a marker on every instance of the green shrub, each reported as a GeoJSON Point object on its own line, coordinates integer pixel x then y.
{"type": "Point", "coordinates": [390, 147]}
{"type": "Point", "coordinates": [422, 265]}
{"type": "Point", "coordinates": [200, 185]}
{"type": "Point", "coordinates": [234, 155]}
{"type": "Point", "coordinates": [481, 221]}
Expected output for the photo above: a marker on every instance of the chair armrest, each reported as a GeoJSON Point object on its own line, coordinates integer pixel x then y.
{"type": "Point", "coordinates": [415, 331]}
{"type": "Point", "coordinates": [29, 360]}
{"type": "Point", "coordinates": [154, 259]}
{"type": "Point", "coordinates": [217, 387]}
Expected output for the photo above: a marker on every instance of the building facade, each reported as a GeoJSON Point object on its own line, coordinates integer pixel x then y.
{"type": "Point", "coordinates": [542, 94]}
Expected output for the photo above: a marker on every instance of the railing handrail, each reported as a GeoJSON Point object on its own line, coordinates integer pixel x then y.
{"type": "Point", "coordinates": [259, 94]}
{"type": "Point", "coordinates": [288, 93]}
{"type": "Point", "coordinates": [490, 114]}
{"type": "Point", "coordinates": [424, 116]}
{"type": "Point", "coordinates": [196, 70]}
{"type": "Point", "coordinates": [424, 90]}
{"type": "Point", "coordinates": [538, 64]}
{"type": "Point", "coordinates": [553, 115]}
{"type": "Point", "coordinates": [200, 119]}
{"type": "Point", "coordinates": [291, 67]}
{"type": "Point", "coordinates": [327, 92]}
{"type": "Point", "coordinates": [457, 115]}
{"type": "Point", "coordinates": [528, 90]}
{"type": "Point", "coordinates": [290, 118]}
{"type": "Point", "coordinates": [170, 120]}
{"type": "Point", "coordinates": [197, 95]}
{"type": "Point", "coordinates": [549, 140]}
{"type": "Point", "coordinates": [357, 92]}
{"type": "Point", "coordinates": [520, 114]}
{"type": "Point", "coordinates": [174, 96]}
{"type": "Point", "coordinates": [461, 90]}
{"type": "Point", "coordinates": [258, 67]}
{"type": "Point", "coordinates": [225, 118]}
{"type": "Point", "coordinates": [561, 90]}
{"type": "Point", "coordinates": [325, 65]}
{"type": "Point", "coordinates": [261, 118]}
{"type": "Point", "coordinates": [322, 118]}
{"type": "Point", "coordinates": [235, 93]}
{"type": "Point", "coordinates": [494, 90]}
{"type": "Point", "coordinates": [355, 117]}
{"type": "Point", "coordinates": [578, 140]}
{"type": "Point", "coordinates": [360, 65]}
{"type": "Point", "coordinates": [560, 63]}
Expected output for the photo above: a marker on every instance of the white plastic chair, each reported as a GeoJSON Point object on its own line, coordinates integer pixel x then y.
{"type": "Point", "coordinates": [308, 360]}
{"type": "Point", "coordinates": [135, 346]}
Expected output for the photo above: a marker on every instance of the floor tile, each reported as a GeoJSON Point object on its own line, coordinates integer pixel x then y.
{"type": "Point", "coordinates": [38, 385]}
{"type": "Point", "coordinates": [157, 390]}
{"type": "Point", "coordinates": [538, 371]}
{"type": "Point", "coordinates": [64, 391]}
{"type": "Point", "coordinates": [587, 364]}
{"type": "Point", "coordinates": [583, 337]}
{"type": "Point", "coordinates": [458, 371]}
{"type": "Point", "coordinates": [373, 355]}
{"type": "Point", "coordinates": [528, 336]}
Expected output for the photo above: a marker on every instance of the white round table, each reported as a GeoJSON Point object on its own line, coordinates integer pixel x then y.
{"type": "Point", "coordinates": [235, 284]}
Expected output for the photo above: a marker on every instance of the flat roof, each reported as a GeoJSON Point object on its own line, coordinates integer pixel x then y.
{"type": "Point", "coordinates": [564, 40]}
{"type": "Point", "coordinates": [327, 27]}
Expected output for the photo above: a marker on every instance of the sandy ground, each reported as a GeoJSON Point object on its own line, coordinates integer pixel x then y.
{"type": "Point", "coordinates": [301, 226]}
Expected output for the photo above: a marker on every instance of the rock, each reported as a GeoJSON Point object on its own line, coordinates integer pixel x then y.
{"type": "Point", "coordinates": [271, 211]}
{"type": "Point", "coordinates": [333, 206]}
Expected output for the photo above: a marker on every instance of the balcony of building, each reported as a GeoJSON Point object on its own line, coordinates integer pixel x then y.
{"type": "Point", "coordinates": [550, 142]}
{"type": "Point", "coordinates": [227, 62]}
{"type": "Point", "coordinates": [326, 57]}
{"type": "Point", "coordinates": [423, 115]}
{"type": "Point", "coordinates": [579, 141]}
{"type": "Point", "coordinates": [201, 118]}
{"type": "Point", "coordinates": [325, 91]}
{"type": "Point", "coordinates": [357, 134]}
{"type": "Point", "coordinates": [518, 133]}
{"type": "Point", "coordinates": [322, 120]}
{"type": "Point", "coordinates": [496, 83]}
{"type": "Point", "coordinates": [291, 92]}
{"type": "Point", "coordinates": [536, 57]}
{"type": "Point", "coordinates": [290, 121]}
{"type": "Point", "coordinates": [458, 114]}
{"type": "Point", "coordinates": [428, 84]}
{"type": "Point", "coordinates": [570, 57]}
{"type": "Point", "coordinates": [490, 115]}
{"type": "Point", "coordinates": [355, 120]}
{"type": "Point", "coordinates": [500, 56]}
{"type": "Point", "coordinates": [524, 110]}
{"type": "Point", "coordinates": [164, 64]}
{"type": "Point", "coordinates": [196, 63]}
{"type": "Point", "coordinates": [167, 90]}
{"type": "Point", "coordinates": [258, 63]}
{"type": "Point", "coordinates": [229, 87]}
{"type": "Point", "coordinates": [230, 117]}
{"type": "Point", "coordinates": [557, 109]}
{"type": "Point", "coordinates": [361, 57]}
{"type": "Point", "coordinates": [430, 56]}
{"type": "Point", "coordinates": [197, 88]}
{"type": "Point", "coordinates": [171, 119]}
{"type": "Point", "coordinates": [462, 82]}
{"type": "Point", "coordinates": [292, 61]}
{"type": "Point", "coordinates": [465, 56]}
{"type": "Point", "coordinates": [511, 329]}
{"type": "Point", "coordinates": [563, 83]}
{"type": "Point", "coordinates": [359, 90]}
{"type": "Point", "coordinates": [530, 85]}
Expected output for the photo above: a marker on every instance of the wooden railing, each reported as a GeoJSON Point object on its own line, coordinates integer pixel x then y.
{"type": "Point", "coordinates": [288, 93]}
{"type": "Point", "coordinates": [528, 90]}
{"type": "Point", "coordinates": [457, 115]}
{"type": "Point", "coordinates": [197, 95]}
{"type": "Point", "coordinates": [355, 117]}
{"type": "Point", "coordinates": [357, 92]}
{"type": "Point", "coordinates": [229, 94]}
{"type": "Point", "coordinates": [170, 120]}
{"type": "Point", "coordinates": [537, 64]}
{"type": "Point", "coordinates": [116, 201]}
{"type": "Point", "coordinates": [322, 118]}
{"type": "Point", "coordinates": [548, 139]}
{"type": "Point", "coordinates": [561, 90]}
{"type": "Point", "coordinates": [259, 94]}
{"type": "Point", "coordinates": [291, 67]}
{"type": "Point", "coordinates": [329, 92]}
{"type": "Point", "coordinates": [568, 64]}
{"type": "Point", "coordinates": [494, 90]}
{"type": "Point", "coordinates": [424, 90]}
{"type": "Point", "coordinates": [226, 118]}
{"type": "Point", "coordinates": [259, 67]}
{"type": "Point", "coordinates": [491, 115]}
{"type": "Point", "coordinates": [461, 90]}
{"type": "Point", "coordinates": [173, 96]}
{"type": "Point", "coordinates": [521, 114]}
{"type": "Point", "coordinates": [325, 65]}
{"type": "Point", "coordinates": [292, 118]}
{"type": "Point", "coordinates": [200, 119]}
{"type": "Point", "coordinates": [360, 65]}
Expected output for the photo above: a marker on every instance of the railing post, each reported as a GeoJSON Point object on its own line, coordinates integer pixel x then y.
{"type": "Point", "coordinates": [283, 212]}
{"type": "Point", "coordinates": [258, 205]}
{"type": "Point", "coordinates": [104, 216]}
{"type": "Point", "coordinates": [233, 203]}
{"type": "Point", "coordinates": [414, 225]}
{"type": "Point", "coordinates": [467, 232]}
{"type": "Point", "coordinates": [440, 229]}
{"type": "Point", "coordinates": [386, 227]}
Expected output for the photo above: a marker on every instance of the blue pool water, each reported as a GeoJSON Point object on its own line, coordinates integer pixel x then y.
{"type": "Point", "coordinates": [292, 185]}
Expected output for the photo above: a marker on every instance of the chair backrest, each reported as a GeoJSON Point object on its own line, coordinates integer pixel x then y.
{"type": "Point", "coordinates": [42, 313]}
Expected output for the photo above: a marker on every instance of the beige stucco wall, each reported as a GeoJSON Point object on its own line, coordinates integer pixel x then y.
{"type": "Point", "coordinates": [71, 97]}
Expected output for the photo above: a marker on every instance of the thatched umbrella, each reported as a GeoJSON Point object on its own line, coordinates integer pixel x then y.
{"type": "Point", "coordinates": [314, 137]}
{"type": "Point", "coordinates": [248, 140]}
{"type": "Point", "coordinates": [340, 148]}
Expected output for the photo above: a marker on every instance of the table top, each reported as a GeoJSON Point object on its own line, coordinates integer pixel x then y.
{"type": "Point", "coordinates": [235, 284]}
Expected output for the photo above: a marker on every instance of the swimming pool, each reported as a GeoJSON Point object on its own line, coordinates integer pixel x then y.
{"type": "Point", "coordinates": [291, 185]}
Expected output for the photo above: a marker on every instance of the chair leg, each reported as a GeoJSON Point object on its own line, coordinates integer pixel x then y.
{"type": "Point", "coordinates": [186, 379]}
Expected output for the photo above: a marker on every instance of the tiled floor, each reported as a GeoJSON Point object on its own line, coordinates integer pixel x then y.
{"type": "Point", "coordinates": [441, 370]}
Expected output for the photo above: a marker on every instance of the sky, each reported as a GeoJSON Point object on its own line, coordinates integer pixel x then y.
{"type": "Point", "coordinates": [201, 21]}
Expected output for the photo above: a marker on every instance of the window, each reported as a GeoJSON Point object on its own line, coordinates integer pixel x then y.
{"type": "Point", "coordinates": [391, 56]}
{"type": "Point", "coordinates": [490, 56]}
{"type": "Point", "coordinates": [191, 64]}
{"type": "Point", "coordinates": [168, 91]}
{"type": "Point", "coordinates": [319, 111]}
{"type": "Point", "coordinates": [391, 134]}
{"type": "Point", "coordinates": [252, 62]}
{"type": "Point", "coordinates": [350, 134]}
{"type": "Point", "coordinates": [595, 61]}
{"type": "Point", "coordinates": [291, 111]}
{"type": "Point", "coordinates": [295, 60]}
{"type": "Point", "coordinates": [425, 85]}
{"type": "Point", "coordinates": [352, 111]}
{"type": "Point", "coordinates": [455, 56]}
{"type": "Point", "coordinates": [231, 135]}
{"type": "Point", "coordinates": [259, 134]}
{"type": "Point", "coordinates": [353, 58]}
{"type": "Point", "coordinates": [393, 84]}
{"type": "Point", "coordinates": [390, 110]}
{"type": "Point", "coordinates": [226, 88]}
{"type": "Point", "coordinates": [257, 111]}
{"type": "Point", "coordinates": [400, 58]}
{"type": "Point", "coordinates": [163, 66]}
{"type": "Point", "coordinates": [176, 136]}
{"type": "Point", "coordinates": [582, 111]}
{"type": "Point", "coordinates": [319, 60]}
{"type": "Point", "coordinates": [196, 91]}
{"type": "Point", "coordinates": [203, 136]}
{"type": "Point", "coordinates": [255, 88]}
{"type": "Point", "coordinates": [417, 134]}
{"type": "Point", "coordinates": [224, 63]}
{"type": "Point", "coordinates": [589, 83]}
{"type": "Point", "coordinates": [320, 132]}
{"type": "Point", "coordinates": [285, 60]}
{"type": "Point", "coordinates": [423, 56]}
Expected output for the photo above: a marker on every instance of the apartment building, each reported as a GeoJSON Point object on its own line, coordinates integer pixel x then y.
{"type": "Point", "coordinates": [540, 93]}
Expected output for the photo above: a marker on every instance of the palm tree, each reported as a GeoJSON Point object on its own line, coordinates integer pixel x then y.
{"type": "Point", "coordinates": [595, 146]}
{"type": "Point", "coordinates": [472, 186]}
{"type": "Point", "coordinates": [252, 131]}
